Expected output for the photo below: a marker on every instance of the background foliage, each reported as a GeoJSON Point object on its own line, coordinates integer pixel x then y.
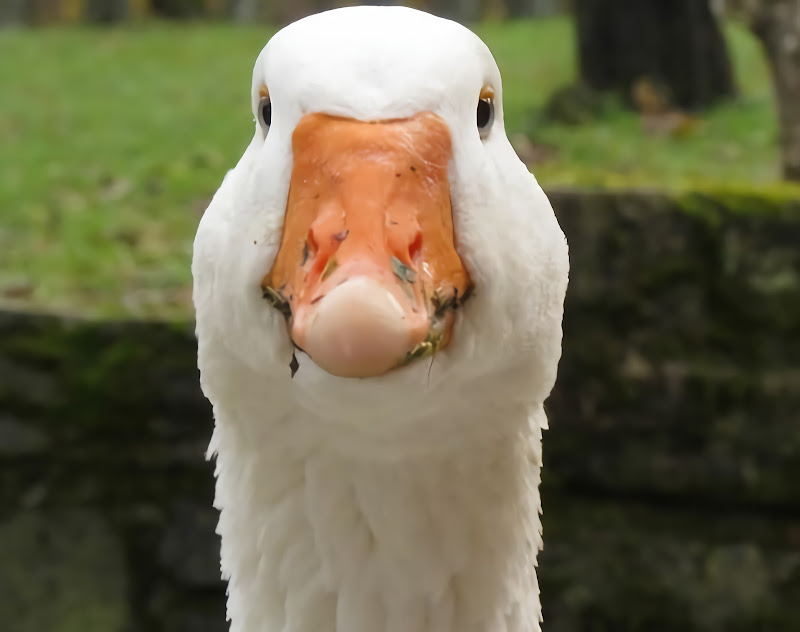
{"type": "Point", "coordinates": [114, 140]}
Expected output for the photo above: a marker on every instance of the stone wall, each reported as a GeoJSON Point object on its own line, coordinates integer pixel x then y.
{"type": "Point", "coordinates": [671, 470]}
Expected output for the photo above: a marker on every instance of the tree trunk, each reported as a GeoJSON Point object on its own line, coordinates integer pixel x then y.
{"type": "Point", "coordinates": [464, 11]}
{"type": "Point", "coordinates": [533, 8]}
{"type": "Point", "coordinates": [107, 11]}
{"type": "Point", "coordinates": [12, 12]}
{"type": "Point", "coordinates": [244, 10]}
{"type": "Point", "coordinates": [676, 45]}
{"type": "Point", "coordinates": [177, 9]}
{"type": "Point", "coordinates": [43, 11]}
{"type": "Point", "coordinates": [276, 13]}
{"type": "Point", "coordinates": [776, 23]}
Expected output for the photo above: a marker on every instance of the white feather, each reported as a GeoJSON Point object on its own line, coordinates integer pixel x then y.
{"type": "Point", "coordinates": [407, 502]}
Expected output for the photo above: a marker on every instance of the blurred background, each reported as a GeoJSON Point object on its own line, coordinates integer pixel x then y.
{"type": "Point", "coordinates": [667, 135]}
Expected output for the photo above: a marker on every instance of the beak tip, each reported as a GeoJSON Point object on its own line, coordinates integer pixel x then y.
{"type": "Point", "coordinates": [359, 329]}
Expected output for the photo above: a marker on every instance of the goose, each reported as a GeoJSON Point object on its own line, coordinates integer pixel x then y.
{"type": "Point", "coordinates": [379, 286]}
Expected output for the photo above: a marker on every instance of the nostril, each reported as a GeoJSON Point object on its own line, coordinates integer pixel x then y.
{"type": "Point", "coordinates": [404, 238]}
{"type": "Point", "coordinates": [311, 240]}
{"type": "Point", "coordinates": [311, 251]}
{"type": "Point", "coordinates": [416, 246]}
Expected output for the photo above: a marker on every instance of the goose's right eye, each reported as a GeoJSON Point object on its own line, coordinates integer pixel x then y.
{"type": "Point", "coordinates": [265, 113]}
{"type": "Point", "coordinates": [485, 113]}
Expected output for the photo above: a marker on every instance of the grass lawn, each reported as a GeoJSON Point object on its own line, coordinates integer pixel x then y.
{"type": "Point", "coordinates": [113, 141]}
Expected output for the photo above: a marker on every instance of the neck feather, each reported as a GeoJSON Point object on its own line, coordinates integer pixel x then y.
{"type": "Point", "coordinates": [314, 540]}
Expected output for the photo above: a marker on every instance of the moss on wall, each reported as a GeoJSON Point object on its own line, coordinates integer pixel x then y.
{"type": "Point", "coordinates": [106, 419]}
{"type": "Point", "coordinates": [681, 366]}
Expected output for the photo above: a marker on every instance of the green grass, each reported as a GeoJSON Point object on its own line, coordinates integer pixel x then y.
{"type": "Point", "coordinates": [113, 141]}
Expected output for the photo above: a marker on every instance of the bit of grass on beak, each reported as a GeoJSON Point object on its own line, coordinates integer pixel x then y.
{"type": "Point", "coordinates": [402, 271]}
{"type": "Point", "coordinates": [329, 268]}
{"type": "Point", "coordinates": [277, 300]}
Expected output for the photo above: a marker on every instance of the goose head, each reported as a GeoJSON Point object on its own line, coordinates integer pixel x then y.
{"type": "Point", "coordinates": [379, 251]}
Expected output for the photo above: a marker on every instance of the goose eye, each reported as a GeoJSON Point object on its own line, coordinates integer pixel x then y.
{"type": "Point", "coordinates": [265, 113]}
{"type": "Point", "coordinates": [485, 115]}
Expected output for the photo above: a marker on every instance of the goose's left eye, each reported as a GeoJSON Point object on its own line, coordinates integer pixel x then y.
{"type": "Point", "coordinates": [265, 113]}
{"type": "Point", "coordinates": [485, 115]}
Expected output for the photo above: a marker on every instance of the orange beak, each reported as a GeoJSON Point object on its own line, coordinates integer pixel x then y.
{"type": "Point", "coordinates": [367, 273]}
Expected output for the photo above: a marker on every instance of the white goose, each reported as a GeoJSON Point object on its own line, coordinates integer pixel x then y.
{"type": "Point", "coordinates": [391, 483]}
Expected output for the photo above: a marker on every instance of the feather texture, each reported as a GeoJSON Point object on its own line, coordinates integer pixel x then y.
{"type": "Point", "coordinates": [407, 502]}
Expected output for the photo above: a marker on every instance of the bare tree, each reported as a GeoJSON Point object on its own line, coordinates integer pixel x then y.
{"type": "Point", "coordinates": [12, 12]}
{"type": "Point", "coordinates": [274, 11]}
{"type": "Point", "coordinates": [43, 11]}
{"type": "Point", "coordinates": [676, 44]}
{"type": "Point", "coordinates": [107, 10]}
{"type": "Point", "coordinates": [528, 8]}
{"type": "Point", "coordinates": [464, 11]}
{"type": "Point", "coordinates": [776, 23]}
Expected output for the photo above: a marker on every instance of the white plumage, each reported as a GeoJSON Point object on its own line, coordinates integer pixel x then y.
{"type": "Point", "coordinates": [406, 502]}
